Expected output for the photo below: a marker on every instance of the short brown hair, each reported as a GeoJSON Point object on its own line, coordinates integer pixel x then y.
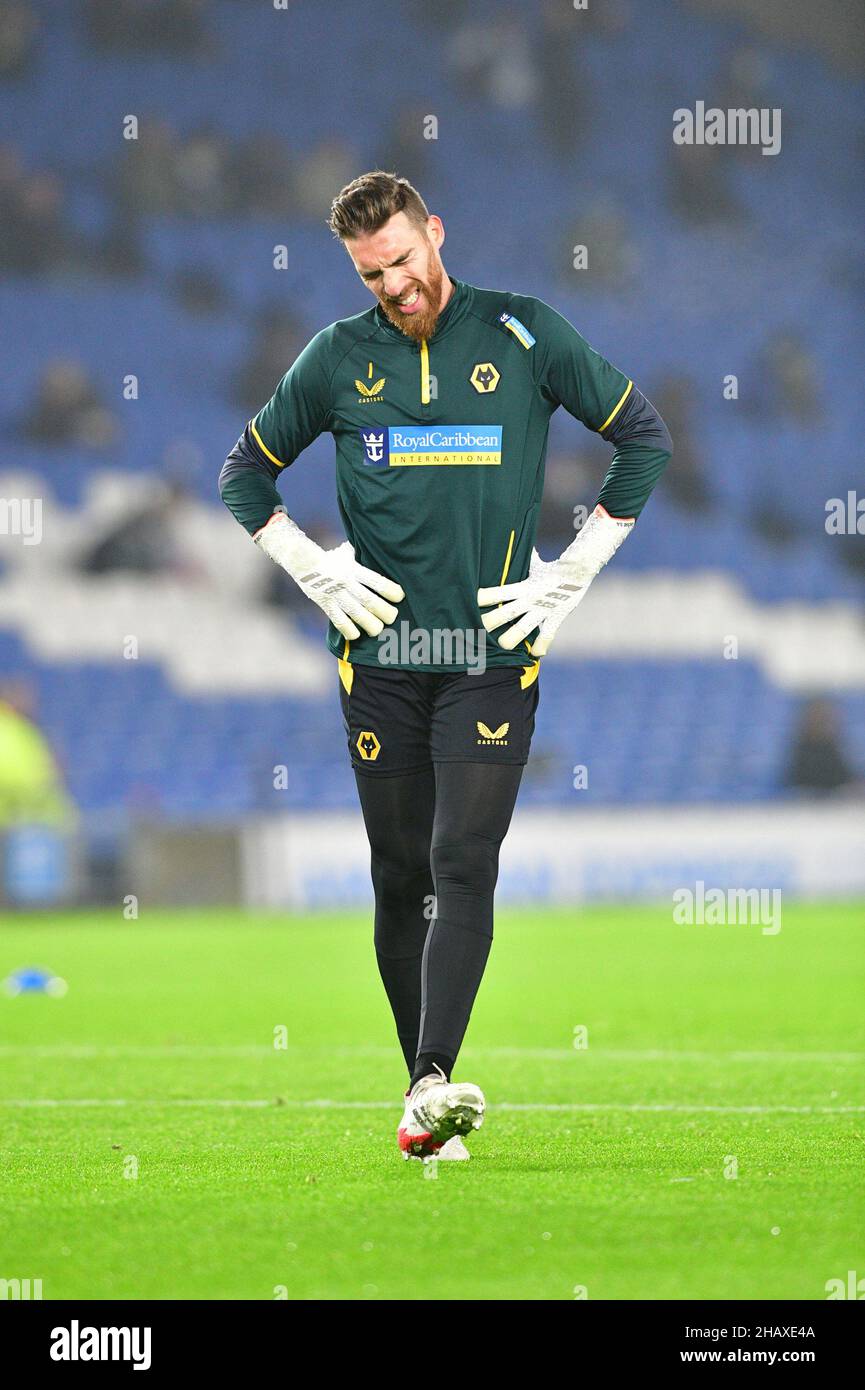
{"type": "Point", "coordinates": [365, 204]}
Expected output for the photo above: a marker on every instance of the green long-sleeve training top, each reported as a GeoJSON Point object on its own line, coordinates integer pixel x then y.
{"type": "Point", "coordinates": [440, 447]}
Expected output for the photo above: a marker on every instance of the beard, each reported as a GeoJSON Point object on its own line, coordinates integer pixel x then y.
{"type": "Point", "coordinates": [421, 324]}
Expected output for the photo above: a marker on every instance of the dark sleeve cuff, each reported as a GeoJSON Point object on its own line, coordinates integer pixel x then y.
{"type": "Point", "coordinates": [247, 484]}
{"type": "Point", "coordinates": [643, 450]}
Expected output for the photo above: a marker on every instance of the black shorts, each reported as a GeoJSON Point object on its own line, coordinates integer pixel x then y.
{"type": "Point", "coordinates": [398, 721]}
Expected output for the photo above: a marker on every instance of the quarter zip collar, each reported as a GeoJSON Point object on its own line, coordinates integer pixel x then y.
{"type": "Point", "coordinates": [456, 309]}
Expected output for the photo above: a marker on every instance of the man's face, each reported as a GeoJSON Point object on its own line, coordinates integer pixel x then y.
{"type": "Point", "coordinates": [402, 267]}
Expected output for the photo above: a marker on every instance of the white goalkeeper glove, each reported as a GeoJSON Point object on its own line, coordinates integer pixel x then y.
{"type": "Point", "coordinates": [553, 588]}
{"type": "Point", "coordinates": [352, 596]}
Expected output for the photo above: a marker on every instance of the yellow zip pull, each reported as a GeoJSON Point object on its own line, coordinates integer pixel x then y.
{"type": "Point", "coordinates": [424, 373]}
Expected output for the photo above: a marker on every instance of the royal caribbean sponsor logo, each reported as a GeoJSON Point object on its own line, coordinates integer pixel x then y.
{"type": "Point", "coordinates": [375, 448]}
{"type": "Point", "coordinates": [421, 446]}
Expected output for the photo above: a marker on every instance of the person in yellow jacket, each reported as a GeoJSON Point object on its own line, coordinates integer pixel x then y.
{"type": "Point", "coordinates": [31, 786]}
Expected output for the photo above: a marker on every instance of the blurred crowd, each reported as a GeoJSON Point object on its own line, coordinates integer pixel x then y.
{"type": "Point", "coordinates": [507, 65]}
{"type": "Point", "coordinates": [532, 71]}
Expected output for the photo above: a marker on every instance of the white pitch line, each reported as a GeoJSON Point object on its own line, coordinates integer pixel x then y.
{"type": "Point", "coordinates": [586, 1108]}
{"type": "Point", "coordinates": [545, 1054]}
{"type": "Point", "coordinates": [625, 1054]}
{"type": "Point", "coordinates": [689, 1109]}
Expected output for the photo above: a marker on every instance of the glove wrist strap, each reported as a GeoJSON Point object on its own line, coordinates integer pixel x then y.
{"type": "Point", "coordinates": [597, 542]}
{"type": "Point", "coordinates": [283, 541]}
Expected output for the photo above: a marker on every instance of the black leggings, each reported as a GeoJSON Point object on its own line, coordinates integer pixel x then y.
{"type": "Point", "coordinates": [435, 836]}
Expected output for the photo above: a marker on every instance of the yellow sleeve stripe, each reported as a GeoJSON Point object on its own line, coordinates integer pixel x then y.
{"type": "Point", "coordinates": [261, 444]}
{"type": "Point", "coordinates": [507, 560]}
{"type": "Point", "coordinates": [617, 407]}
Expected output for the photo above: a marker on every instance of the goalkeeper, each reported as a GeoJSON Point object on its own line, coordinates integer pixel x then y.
{"type": "Point", "coordinates": [439, 399]}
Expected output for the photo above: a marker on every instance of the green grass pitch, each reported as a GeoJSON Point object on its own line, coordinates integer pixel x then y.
{"type": "Point", "coordinates": [711, 1051]}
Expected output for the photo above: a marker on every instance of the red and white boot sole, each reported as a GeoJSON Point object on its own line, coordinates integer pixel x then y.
{"type": "Point", "coordinates": [433, 1126]}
